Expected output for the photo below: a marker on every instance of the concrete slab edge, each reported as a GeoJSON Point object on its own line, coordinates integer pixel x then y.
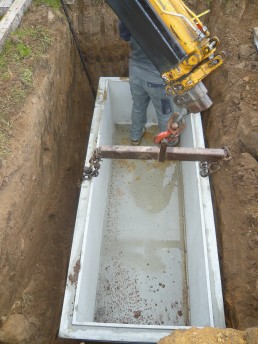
{"type": "Point", "coordinates": [255, 31]}
{"type": "Point", "coordinates": [12, 19]}
{"type": "Point", "coordinates": [4, 6]}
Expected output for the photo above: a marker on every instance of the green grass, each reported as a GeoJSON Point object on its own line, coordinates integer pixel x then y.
{"type": "Point", "coordinates": [33, 34]}
{"type": "Point", "coordinates": [17, 61]}
{"type": "Point", "coordinates": [5, 76]}
{"type": "Point", "coordinates": [51, 3]}
{"type": "Point", "coordinates": [18, 94]}
{"type": "Point", "coordinates": [26, 77]}
{"type": "Point", "coordinates": [2, 61]}
{"type": "Point", "coordinates": [4, 136]}
{"type": "Point", "coordinates": [22, 47]}
{"type": "Point", "coordinates": [30, 32]}
{"type": "Point", "coordinates": [23, 51]}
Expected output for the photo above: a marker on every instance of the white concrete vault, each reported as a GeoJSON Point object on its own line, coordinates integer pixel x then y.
{"type": "Point", "coordinates": [144, 259]}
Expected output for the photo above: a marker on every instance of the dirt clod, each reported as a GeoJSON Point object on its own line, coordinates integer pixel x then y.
{"type": "Point", "coordinates": [137, 314]}
{"type": "Point", "coordinates": [17, 329]}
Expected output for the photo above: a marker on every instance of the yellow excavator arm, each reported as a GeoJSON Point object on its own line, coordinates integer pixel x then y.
{"type": "Point", "coordinates": [178, 44]}
{"type": "Point", "coordinates": [194, 38]}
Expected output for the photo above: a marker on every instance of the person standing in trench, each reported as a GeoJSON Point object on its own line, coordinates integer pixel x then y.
{"type": "Point", "coordinates": [146, 85]}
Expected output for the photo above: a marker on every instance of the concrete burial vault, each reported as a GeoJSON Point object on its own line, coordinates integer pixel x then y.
{"type": "Point", "coordinates": [144, 258]}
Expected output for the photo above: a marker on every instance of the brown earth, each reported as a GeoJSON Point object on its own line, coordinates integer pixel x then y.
{"type": "Point", "coordinates": [211, 336]}
{"type": "Point", "coordinates": [232, 121]}
{"type": "Point", "coordinates": [40, 176]}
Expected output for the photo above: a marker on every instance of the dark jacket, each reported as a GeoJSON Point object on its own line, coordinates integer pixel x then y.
{"type": "Point", "coordinates": [139, 63]}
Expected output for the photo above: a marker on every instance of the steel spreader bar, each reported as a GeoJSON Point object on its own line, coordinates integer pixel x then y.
{"type": "Point", "coordinates": [161, 154]}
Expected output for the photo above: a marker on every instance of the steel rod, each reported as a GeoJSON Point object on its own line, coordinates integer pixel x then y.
{"type": "Point", "coordinates": [162, 152]}
{"type": "Point", "coordinates": [155, 153]}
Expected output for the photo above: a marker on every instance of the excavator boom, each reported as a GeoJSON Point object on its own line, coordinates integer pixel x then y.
{"type": "Point", "coordinates": [177, 43]}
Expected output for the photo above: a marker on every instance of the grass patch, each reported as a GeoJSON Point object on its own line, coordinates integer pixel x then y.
{"type": "Point", "coordinates": [18, 94]}
{"type": "Point", "coordinates": [23, 51]}
{"type": "Point", "coordinates": [4, 136]}
{"type": "Point", "coordinates": [51, 3]}
{"type": "Point", "coordinates": [26, 77]}
{"type": "Point", "coordinates": [20, 56]}
{"type": "Point", "coordinates": [2, 61]}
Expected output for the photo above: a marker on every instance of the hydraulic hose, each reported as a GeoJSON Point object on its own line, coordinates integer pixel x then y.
{"type": "Point", "coordinates": [77, 44]}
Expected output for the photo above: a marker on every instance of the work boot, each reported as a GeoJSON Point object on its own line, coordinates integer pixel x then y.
{"type": "Point", "coordinates": [137, 142]}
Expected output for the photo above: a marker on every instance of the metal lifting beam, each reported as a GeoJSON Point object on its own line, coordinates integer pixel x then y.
{"type": "Point", "coordinates": [209, 158]}
{"type": "Point", "coordinates": [163, 153]}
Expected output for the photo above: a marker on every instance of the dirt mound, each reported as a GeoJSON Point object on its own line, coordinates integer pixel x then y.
{"type": "Point", "coordinates": [211, 336]}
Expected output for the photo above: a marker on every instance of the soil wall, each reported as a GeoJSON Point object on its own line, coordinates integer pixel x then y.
{"type": "Point", "coordinates": [232, 122]}
{"type": "Point", "coordinates": [104, 52]}
{"type": "Point", "coordinates": [40, 185]}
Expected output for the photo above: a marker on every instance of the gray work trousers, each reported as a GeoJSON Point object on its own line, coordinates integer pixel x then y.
{"type": "Point", "coordinates": [142, 93]}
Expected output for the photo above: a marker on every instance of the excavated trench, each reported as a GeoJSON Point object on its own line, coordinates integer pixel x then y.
{"type": "Point", "coordinates": [40, 181]}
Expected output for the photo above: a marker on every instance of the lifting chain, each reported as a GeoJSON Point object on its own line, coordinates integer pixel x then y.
{"type": "Point", "coordinates": [208, 168]}
{"type": "Point", "coordinates": [93, 169]}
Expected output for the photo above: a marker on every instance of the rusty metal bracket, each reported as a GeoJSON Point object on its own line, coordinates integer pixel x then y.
{"type": "Point", "coordinates": [163, 151]}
